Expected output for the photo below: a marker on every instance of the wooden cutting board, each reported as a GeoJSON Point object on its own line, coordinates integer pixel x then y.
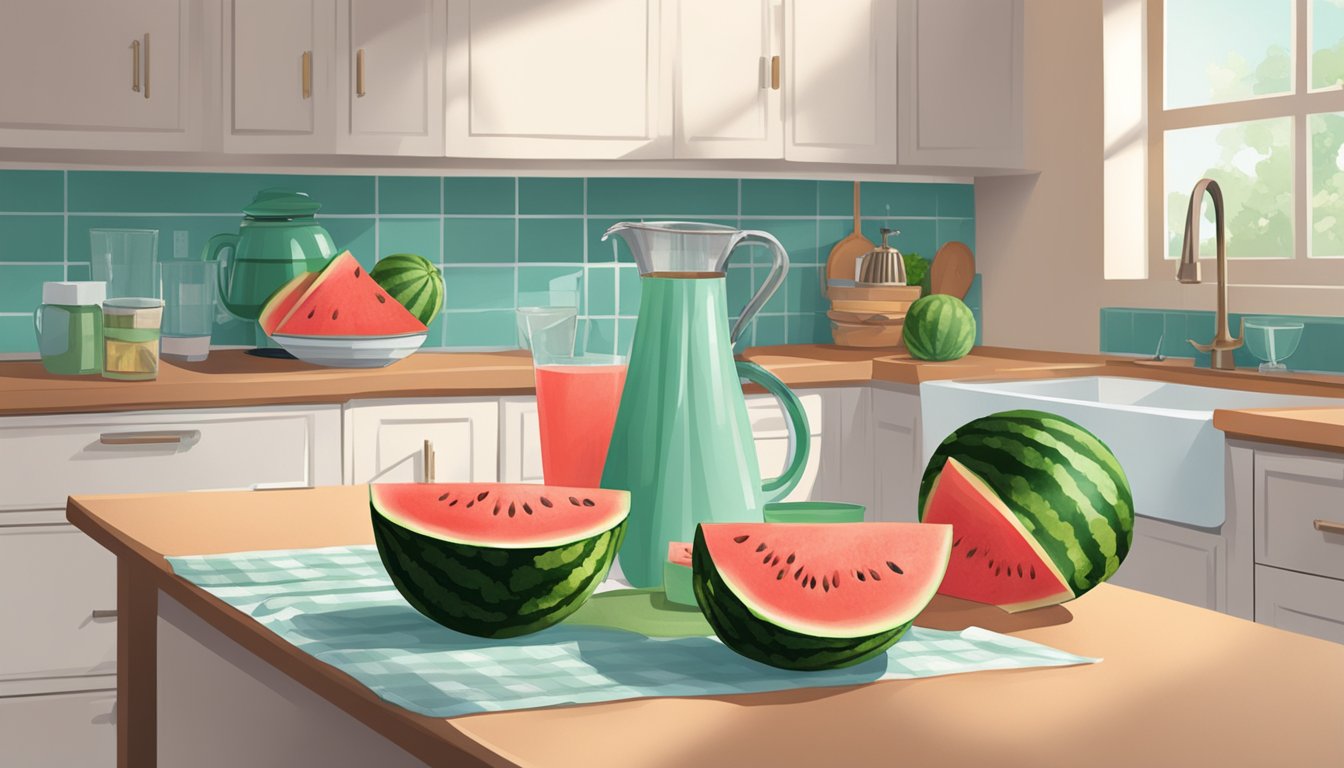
{"type": "Point", "coordinates": [840, 264]}
{"type": "Point", "coordinates": [953, 270]}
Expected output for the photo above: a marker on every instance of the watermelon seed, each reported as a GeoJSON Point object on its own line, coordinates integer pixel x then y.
{"type": "Point", "coordinates": [481, 496]}
{"type": "Point", "coordinates": [835, 579]}
{"type": "Point", "coordinates": [357, 271]}
{"type": "Point", "coordinates": [775, 561]}
{"type": "Point", "coordinates": [991, 562]}
{"type": "Point", "coordinates": [1019, 570]}
{"type": "Point", "coordinates": [896, 569]}
{"type": "Point", "coordinates": [970, 552]}
{"type": "Point", "coordinates": [792, 555]}
{"type": "Point", "coordinates": [996, 571]}
{"type": "Point", "coordinates": [957, 542]}
{"type": "Point", "coordinates": [334, 313]}
{"type": "Point", "coordinates": [496, 507]}
{"type": "Point", "coordinates": [768, 555]}
{"type": "Point", "coordinates": [573, 501]}
{"type": "Point", "coordinates": [470, 502]}
{"type": "Point", "coordinates": [825, 584]}
{"type": "Point", "coordinates": [444, 496]}
{"type": "Point", "coordinates": [311, 312]}
{"type": "Point", "coordinates": [760, 548]}
{"type": "Point", "coordinates": [740, 539]}
{"type": "Point", "coordinates": [545, 502]}
{"type": "Point", "coordinates": [780, 576]}
{"type": "Point", "coordinates": [812, 583]}
{"type": "Point", "coordinates": [512, 510]}
{"type": "Point", "coordinates": [795, 573]}
{"type": "Point", "coordinates": [453, 503]}
{"type": "Point", "coordinates": [381, 298]}
{"type": "Point", "coordinates": [527, 508]}
{"type": "Point", "coordinates": [860, 575]}
{"type": "Point", "coordinates": [1033, 571]}
{"type": "Point", "coordinates": [587, 502]}
{"type": "Point", "coordinates": [874, 574]}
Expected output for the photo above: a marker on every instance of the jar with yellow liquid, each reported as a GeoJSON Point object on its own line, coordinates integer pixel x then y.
{"type": "Point", "coordinates": [131, 338]}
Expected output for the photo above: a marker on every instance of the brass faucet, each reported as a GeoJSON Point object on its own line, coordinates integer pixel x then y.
{"type": "Point", "coordinates": [1223, 344]}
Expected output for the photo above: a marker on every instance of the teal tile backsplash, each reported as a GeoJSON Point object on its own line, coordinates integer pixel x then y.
{"type": "Point", "coordinates": [497, 238]}
{"type": "Point", "coordinates": [1126, 331]}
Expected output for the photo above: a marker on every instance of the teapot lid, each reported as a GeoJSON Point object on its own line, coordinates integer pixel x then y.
{"type": "Point", "coordinates": [277, 203]}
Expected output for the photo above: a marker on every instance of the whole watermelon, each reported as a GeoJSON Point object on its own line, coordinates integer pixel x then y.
{"type": "Point", "coordinates": [939, 327]}
{"type": "Point", "coordinates": [412, 280]}
{"type": "Point", "coordinates": [1061, 482]}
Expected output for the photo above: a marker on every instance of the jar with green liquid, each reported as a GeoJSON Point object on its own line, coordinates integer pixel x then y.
{"type": "Point", "coordinates": [69, 327]}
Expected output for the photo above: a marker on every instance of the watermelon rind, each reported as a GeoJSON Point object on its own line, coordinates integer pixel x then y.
{"type": "Point", "coordinates": [412, 280]}
{"type": "Point", "coordinates": [493, 591]}
{"type": "Point", "coordinates": [1063, 484]}
{"type": "Point", "coordinates": [939, 327]}
{"type": "Point", "coordinates": [755, 633]}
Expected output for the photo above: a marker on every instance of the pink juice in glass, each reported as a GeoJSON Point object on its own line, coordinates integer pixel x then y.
{"type": "Point", "coordinates": [576, 409]}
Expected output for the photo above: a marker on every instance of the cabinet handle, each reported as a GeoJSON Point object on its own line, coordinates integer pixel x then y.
{"type": "Point", "coordinates": [146, 46]}
{"type": "Point", "coordinates": [103, 613]}
{"type": "Point", "coordinates": [135, 66]}
{"type": "Point", "coordinates": [359, 73]}
{"type": "Point", "coordinates": [306, 74]}
{"type": "Point", "coordinates": [428, 455]}
{"type": "Point", "coordinates": [1328, 526]}
{"type": "Point", "coordinates": [774, 73]}
{"type": "Point", "coordinates": [173, 437]}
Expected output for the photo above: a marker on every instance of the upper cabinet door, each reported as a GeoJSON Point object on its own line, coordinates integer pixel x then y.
{"type": "Point", "coordinates": [728, 81]}
{"type": "Point", "coordinates": [87, 74]}
{"type": "Point", "coordinates": [961, 82]}
{"type": "Point", "coordinates": [390, 78]}
{"type": "Point", "coordinates": [278, 59]}
{"type": "Point", "coordinates": [557, 79]}
{"type": "Point", "coordinates": [840, 81]}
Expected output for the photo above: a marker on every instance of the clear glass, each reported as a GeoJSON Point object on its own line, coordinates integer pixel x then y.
{"type": "Point", "coordinates": [131, 338]}
{"type": "Point", "coordinates": [1327, 44]}
{"type": "Point", "coordinates": [125, 259]}
{"type": "Point", "coordinates": [1227, 50]}
{"type": "Point", "coordinates": [188, 289]}
{"type": "Point", "coordinates": [1272, 340]}
{"type": "Point", "coordinates": [1327, 185]}
{"type": "Point", "coordinates": [1253, 163]}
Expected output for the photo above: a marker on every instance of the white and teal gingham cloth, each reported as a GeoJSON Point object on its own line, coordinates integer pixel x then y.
{"type": "Point", "coordinates": [338, 605]}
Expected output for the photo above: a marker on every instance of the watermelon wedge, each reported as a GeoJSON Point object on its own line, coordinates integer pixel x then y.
{"type": "Point", "coordinates": [345, 301]}
{"type": "Point", "coordinates": [678, 579]}
{"type": "Point", "coordinates": [816, 596]}
{"type": "Point", "coordinates": [493, 559]}
{"type": "Point", "coordinates": [282, 302]}
{"type": "Point", "coordinates": [995, 559]}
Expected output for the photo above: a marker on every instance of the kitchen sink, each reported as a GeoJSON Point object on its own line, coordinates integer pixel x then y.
{"type": "Point", "coordinates": [1162, 432]}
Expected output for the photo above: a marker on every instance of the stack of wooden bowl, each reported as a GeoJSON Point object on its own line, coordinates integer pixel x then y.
{"type": "Point", "coordinates": [869, 316]}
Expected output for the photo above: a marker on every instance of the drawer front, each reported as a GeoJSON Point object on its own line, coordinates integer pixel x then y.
{"type": "Point", "coordinates": [54, 579]}
{"type": "Point", "coordinates": [1308, 605]}
{"type": "Point", "coordinates": [46, 458]}
{"type": "Point", "coordinates": [1299, 513]}
{"type": "Point", "coordinates": [59, 730]}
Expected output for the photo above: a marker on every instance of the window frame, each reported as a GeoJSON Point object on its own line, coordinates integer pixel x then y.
{"type": "Point", "coordinates": [1297, 271]}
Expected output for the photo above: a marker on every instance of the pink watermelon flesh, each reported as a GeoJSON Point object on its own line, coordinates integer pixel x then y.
{"type": "Point", "coordinates": [282, 301]}
{"type": "Point", "coordinates": [345, 301]}
{"type": "Point", "coordinates": [501, 515]}
{"type": "Point", "coordinates": [869, 577]}
{"type": "Point", "coordinates": [679, 553]}
{"type": "Point", "coordinates": [995, 560]}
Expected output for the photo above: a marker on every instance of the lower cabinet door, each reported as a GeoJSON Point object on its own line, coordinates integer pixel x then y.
{"type": "Point", "coordinates": [59, 730]}
{"type": "Point", "coordinates": [1298, 602]}
{"type": "Point", "coordinates": [519, 441]}
{"type": "Point", "coordinates": [1177, 562]}
{"type": "Point", "coordinates": [770, 430]}
{"type": "Point", "coordinates": [388, 441]}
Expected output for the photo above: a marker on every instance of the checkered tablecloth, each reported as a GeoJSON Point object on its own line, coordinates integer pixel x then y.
{"type": "Point", "coordinates": [338, 605]}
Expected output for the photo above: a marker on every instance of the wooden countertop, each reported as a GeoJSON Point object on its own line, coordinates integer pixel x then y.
{"type": "Point", "coordinates": [1178, 685]}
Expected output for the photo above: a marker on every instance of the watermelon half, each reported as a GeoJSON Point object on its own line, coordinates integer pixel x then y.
{"type": "Point", "coordinates": [1033, 489]}
{"type": "Point", "coordinates": [345, 301]}
{"type": "Point", "coordinates": [816, 596]}
{"type": "Point", "coordinates": [493, 559]}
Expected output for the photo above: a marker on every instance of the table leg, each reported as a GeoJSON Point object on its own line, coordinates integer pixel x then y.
{"type": "Point", "coordinates": [137, 660]}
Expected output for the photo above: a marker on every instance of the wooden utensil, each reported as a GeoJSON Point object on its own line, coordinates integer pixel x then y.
{"type": "Point", "coordinates": [840, 264]}
{"type": "Point", "coordinates": [953, 270]}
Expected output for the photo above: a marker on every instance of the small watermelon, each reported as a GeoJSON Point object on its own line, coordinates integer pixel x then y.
{"type": "Point", "coordinates": [280, 303]}
{"type": "Point", "coordinates": [812, 596]}
{"type": "Point", "coordinates": [939, 327]}
{"type": "Point", "coordinates": [1041, 509]}
{"type": "Point", "coordinates": [344, 301]}
{"type": "Point", "coordinates": [412, 280]}
{"type": "Point", "coordinates": [677, 578]}
{"type": "Point", "coordinates": [492, 559]}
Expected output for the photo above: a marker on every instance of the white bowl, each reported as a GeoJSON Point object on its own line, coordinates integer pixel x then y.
{"type": "Point", "coordinates": [351, 351]}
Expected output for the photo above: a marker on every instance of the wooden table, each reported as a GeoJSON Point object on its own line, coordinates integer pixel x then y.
{"type": "Point", "coordinates": [1179, 686]}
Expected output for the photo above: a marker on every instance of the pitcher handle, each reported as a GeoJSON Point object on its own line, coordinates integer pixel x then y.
{"type": "Point", "coordinates": [800, 436]}
{"type": "Point", "coordinates": [213, 249]}
{"type": "Point", "coordinates": [779, 269]}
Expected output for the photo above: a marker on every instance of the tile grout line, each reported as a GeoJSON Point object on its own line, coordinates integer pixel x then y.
{"type": "Point", "coordinates": [65, 228]}
{"type": "Point", "coordinates": [443, 259]}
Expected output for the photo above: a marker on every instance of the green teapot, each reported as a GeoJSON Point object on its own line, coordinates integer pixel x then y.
{"type": "Point", "coordinates": [278, 240]}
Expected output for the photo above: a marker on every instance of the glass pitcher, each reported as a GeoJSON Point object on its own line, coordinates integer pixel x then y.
{"type": "Point", "coordinates": [682, 443]}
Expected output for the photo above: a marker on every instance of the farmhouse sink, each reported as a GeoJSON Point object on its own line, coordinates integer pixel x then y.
{"type": "Point", "coordinates": [1162, 432]}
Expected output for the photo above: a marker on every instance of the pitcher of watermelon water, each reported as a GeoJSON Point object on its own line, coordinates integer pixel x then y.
{"type": "Point", "coordinates": [682, 444]}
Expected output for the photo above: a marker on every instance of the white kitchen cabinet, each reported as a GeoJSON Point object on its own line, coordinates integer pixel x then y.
{"type": "Point", "coordinates": [728, 84]}
{"type": "Point", "coordinates": [389, 76]}
{"type": "Point", "coordinates": [385, 440]}
{"type": "Point", "coordinates": [560, 79]}
{"type": "Point", "coordinates": [896, 453]}
{"type": "Point", "coordinates": [840, 100]}
{"type": "Point", "coordinates": [1176, 561]}
{"type": "Point", "coordinates": [86, 74]}
{"type": "Point", "coordinates": [50, 457]}
{"type": "Point", "coordinates": [59, 730]}
{"type": "Point", "coordinates": [770, 431]}
{"type": "Point", "coordinates": [278, 64]}
{"type": "Point", "coordinates": [1300, 602]}
{"type": "Point", "coordinates": [961, 82]}
{"type": "Point", "coordinates": [846, 449]}
{"type": "Point", "coordinates": [519, 441]}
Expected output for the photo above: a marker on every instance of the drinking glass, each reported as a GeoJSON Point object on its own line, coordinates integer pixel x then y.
{"type": "Point", "coordinates": [131, 338]}
{"type": "Point", "coordinates": [189, 308]}
{"type": "Point", "coordinates": [125, 260]}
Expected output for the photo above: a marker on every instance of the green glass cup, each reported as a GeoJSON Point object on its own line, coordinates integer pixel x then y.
{"type": "Point", "coordinates": [131, 338]}
{"type": "Point", "coordinates": [813, 512]}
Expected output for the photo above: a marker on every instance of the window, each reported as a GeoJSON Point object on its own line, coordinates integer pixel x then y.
{"type": "Point", "coordinates": [1249, 93]}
